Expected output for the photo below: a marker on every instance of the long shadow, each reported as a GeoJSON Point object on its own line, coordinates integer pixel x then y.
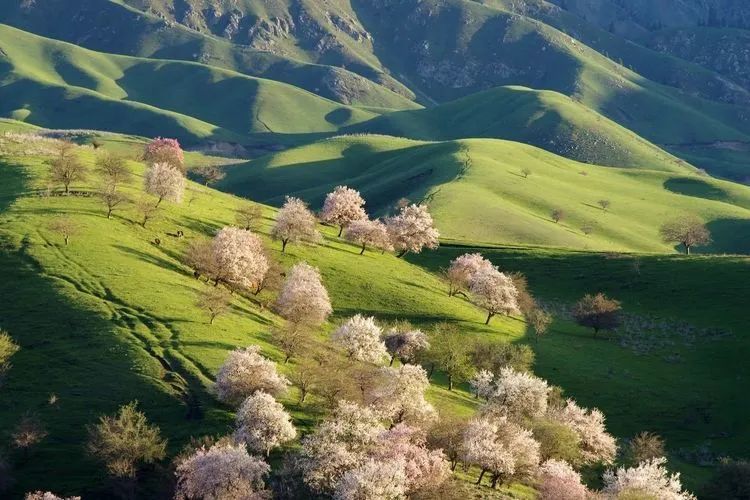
{"type": "Point", "coordinates": [730, 236]}
{"type": "Point", "coordinates": [153, 259]}
{"type": "Point", "coordinates": [696, 188]}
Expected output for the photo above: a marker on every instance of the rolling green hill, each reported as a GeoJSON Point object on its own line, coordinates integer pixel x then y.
{"type": "Point", "coordinates": [59, 85]}
{"type": "Point", "coordinates": [110, 318]}
{"type": "Point", "coordinates": [544, 119]}
{"type": "Point", "coordinates": [477, 191]}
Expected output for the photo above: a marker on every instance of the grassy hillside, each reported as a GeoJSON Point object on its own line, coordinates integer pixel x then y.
{"type": "Point", "coordinates": [111, 317]}
{"type": "Point", "coordinates": [114, 27]}
{"type": "Point", "coordinates": [477, 191]}
{"type": "Point", "coordinates": [59, 85]}
{"type": "Point", "coordinates": [544, 119]}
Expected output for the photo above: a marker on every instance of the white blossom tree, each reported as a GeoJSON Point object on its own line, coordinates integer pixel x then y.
{"type": "Point", "coordinates": [649, 479]}
{"type": "Point", "coordinates": [557, 480]}
{"type": "Point", "coordinates": [597, 446]}
{"type": "Point", "coordinates": [500, 447]}
{"type": "Point", "coordinates": [238, 258]}
{"type": "Point", "coordinates": [295, 223]}
{"type": "Point", "coordinates": [366, 233]}
{"type": "Point", "coordinates": [373, 480]}
{"type": "Point", "coordinates": [223, 472]}
{"type": "Point", "coordinates": [518, 395]}
{"type": "Point", "coordinates": [494, 292]}
{"type": "Point", "coordinates": [462, 269]}
{"type": "Point", "coordinates": [343, 206]}
{"type": "Point", "coordinates": [47, 495]}
{"type": "Point", "coordinates": [164, 182]}
{"type": "Point", "coordinates": [339, 444]}
{"type": "Point", "coordinates": [359, 337]}
{"type": "Point", "coordinates": [400, 398]}
{"type": "Point", "coordinates": [263, 424]}
{"type": "Point", "coordinates": [482, 383]}
{"type": "Point", "coordinates": [246, 371]}
{"type": "Point", "coordinates": [405, 342]}
{"type": "Point", "coordinates": [412, 229]}
{"type": "Point", "coordinates": [303, 298]}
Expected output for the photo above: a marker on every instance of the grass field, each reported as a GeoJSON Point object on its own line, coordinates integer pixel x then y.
{"type": "Point", "coordinates": [111, 318]}
{"type": "Point", "coordinates": [477, 191]}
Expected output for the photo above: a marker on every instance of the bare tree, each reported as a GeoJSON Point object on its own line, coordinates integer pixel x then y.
{"type": "Point", "coordinates": [65, 226]}
{"type": "Point", "coordinates": [66, 169]}
{"type": "Point", "coordinates": [248, 216]}
{"type": "Point", "coordinates": [146, 209]}
{"type": "Point", "coordinates": [28, 433]}
{"type": "Point", "coordinates": [214, 301]}
{"type": "Point", "coordinates": [539, 320]}
{"type": "Point", "coordinates": [557, 215]}
{"type": "Point", "coordinates": [645, 446]}
{"type": "Point", "coordinates": [113, 170]}
{"type": "Point", "coordinates": [687, 230]}
{"type": "Point", "coordinates": [111, 198]}
{"type": "Point", "coordinates": [526, 172]}
{"type": "Point", "coordinates": [604, 204]}
{"type": "Point", "coordinates": [210, 174]}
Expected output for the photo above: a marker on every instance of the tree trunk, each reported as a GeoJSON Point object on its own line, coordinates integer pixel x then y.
{"type": "Point", "coordinates": [213, 317]}
{"type": "Point", "coordinates": [495, 478]}
{"type": "Point", "coordinates": [66, 240]}
{"type": "Point", "coordinates": [454, 463]}
{"type": "Point", "coordinates": [489, 317]}
{"type": "Point", "coordinates": [66, 187]}
{"type": "Point", "coordinates": [481, 476]}
{"type": "Point", "coordinates": [341, 230]}
{"type": "Point", "coordinates": [302, 396]}
{"type": "Point", "coordinates": [392, 359]}
{"type": "Point", "coordinates": [158, 202]}
{"type": "Point", "coordinates": [450, 382]}
{"type": "Point", "coordinates": [109, 213]}
{"type": "Point", "coordinates": [364, 245]}
{"type": "Point", "coordinates": [402, 253]}
{"type": "Point", "coordinates": [431, 371]}
{"type": "Point", "coordinates": [283, 245]}
{"type": "Point", "coordinates": [287, 358]}
{"type": "Point", "coordinates": [687, 249]}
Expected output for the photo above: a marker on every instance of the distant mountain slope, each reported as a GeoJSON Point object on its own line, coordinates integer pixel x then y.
{"type": "Point", "coordinates": [477, 191]}
{"type": "Point", "coordinates": [59, 85]}
{"type": "Point", "coordinates": [545, 119]}
{"type": "Point", "coordinates": [113, 27]}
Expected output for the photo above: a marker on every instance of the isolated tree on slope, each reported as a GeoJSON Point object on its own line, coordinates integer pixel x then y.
{"type": "Point", "coordinates": [66, 226]}
{"type": "Point", "coordinates": [303, 298]}
{"type": "Point", "coordinates": [294, 223]}
{"type": "Point", "coordinates": [366, 232]}
{"type": "Point", "coordinates": [263, 424]}
{"type": "Point", "coordinates": [238, 258]}
{"type": "Point", "coordinates": [215, 302]}
{"type": "Point", "coordinates": [359, 337]}
{"type": "Point", "coordinates": [412, 230]}
{"type": "Point", "coordinates": [222, 472]}
{"type": "Point", "coordinates": [462, 269]}
{"type": "Point", "coordinates": [113, 170]}
{"type": "Point", "coordinates": [165, 182]}
{"type": "Point", "coordinates": [167, 151]}
{"type": "Point", "coordinates": [494, 292]}
{"type": "Point", "coordinates": [244, 372]}
{"type": "Point", "coordinates": [343, 206]}
{"type": "Point", "coordinates": [688, 230]}
{"type": "Point", "coordinates": [598, 312]}
{"type": "Point", "coordinates": [502, 448]}
{"type": "Point", "coordinates": [557, 480]}
{"type": "Point", "coordinates": [648, 479]}
{"type": "Point", "coordinates": [66, 168]}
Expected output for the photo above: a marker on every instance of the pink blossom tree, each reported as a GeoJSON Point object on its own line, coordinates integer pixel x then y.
{"type": "Point", "coordinates": [557, 480]}
{"type": "Point", "coordinates": [164, 182]}
{"type": "Point", "coordinates": [303, 298]}
{"type": "Point", "coordinates": [597, 446]}
{"type": "Point", "coordinates": [494, 292]}
{"type": "Point", "coordinates": [412, 229]}
{"type": "Point", "coordinates": [462, 269]}
{"type": "Point", "coordinates": [359, 337]}
{"type": "Point", "coordinates": [649, 479]}
{"type": "Point", "coordinates": [167, 151]}
{"type": "Point", "coordinates": [366, 233]}
{"type": "Point", "coordinates": [295, 223]}
{"type": "Point", "coordinates": [343, 206]}
{"type": "Point", "coordinates": [263, 424]}
{"type": "Point", "coordinates": [504, 449]}
{"type": "Point", "coordinates": [223, 472]}
{"type": "Point", "coordinates": [238, 258]}
{"type": "Point", "coordinates": [244, 372]}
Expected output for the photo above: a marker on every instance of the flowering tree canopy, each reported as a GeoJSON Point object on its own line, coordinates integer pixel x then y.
{"type": "Point", "coordinates": [246, 371]}
{"type": "Point", "coordinates": [223, 472]}
{"type": "Point", "coordinates": [557, 480]}
{"type": "Point", "coordinates": [518, 395]}
{"type": "Point", "coordinates": [649, 479]}
{"type": "Point", "coordinates": [238, 258]}
{"type": "Point", "coordinates": [494, 292]}
{"type": "Point", "coordinates": [366, 232]}
{"type": "Point", "coordinates": [412, 230]}
{"type": "Point", "coordinates": [359, 337]}
{"type": "Point", "coordinates": [400, 397]}
{"type": "Point", "coordinates": [294, 223]}
{"type": "Point", "coordinates": [165, 182]}
{"type": "Point", "coordinates": [343, 206]}
{"type": "Point", "coordinates": [167, 151]}
{"type": "Point", "coordinates": [596, 444]}
{"type": "Point", "coordinates": [404, 342]}
{"type": "Point", "coordinates": [303, 298]}
{"type": "Point", "coordinates": [463, 268]}
{"type": "Point", "coordinates": [263, 424]}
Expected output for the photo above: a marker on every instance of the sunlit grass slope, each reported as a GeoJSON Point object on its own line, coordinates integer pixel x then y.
{"type": "Point", "coordinates": [478, 191]}
{"type": "Point", "coordinates": [59, 85]}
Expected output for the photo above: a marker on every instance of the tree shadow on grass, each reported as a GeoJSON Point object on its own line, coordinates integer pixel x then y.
{"type": "Point", "coordinates": [695, 187]}
{"type": "Point", "coordinates": [730, 236]}
{"type": "Point", "coordinates": [154, 259]}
